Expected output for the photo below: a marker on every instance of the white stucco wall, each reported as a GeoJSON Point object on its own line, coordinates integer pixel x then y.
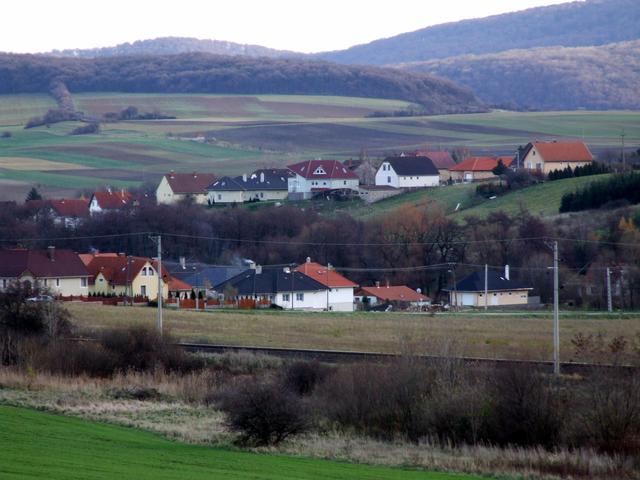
{"type": "Point", "coordinates": [386, 175]}
{"type": "Point", "coordinates": [316, 300]}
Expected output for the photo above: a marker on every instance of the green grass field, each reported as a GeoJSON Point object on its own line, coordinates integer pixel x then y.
{"type": "Point", "coordinates": [41, 445]}
{"type": "Point", "coordinates": [246, 132]}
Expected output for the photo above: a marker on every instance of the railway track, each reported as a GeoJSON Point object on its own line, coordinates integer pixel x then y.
{"type": "Point", "coordinates": [342, 356]}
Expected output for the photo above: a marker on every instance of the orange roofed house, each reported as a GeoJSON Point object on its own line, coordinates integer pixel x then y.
{"type": "Point", "coordinates": [474, 169]}
{"type": "Point", "coordinates": [110, 200]}
{"type": "Point", "coordinates": [123, 275]}
{"type": "Point", "coordinates": [175, 187]}
{"type": "Point", "coordinates": [395, 294]}
{"type": "Point", "coordinates": [339, 289]}
{"type": "Point", "coordinates": [550, 156]}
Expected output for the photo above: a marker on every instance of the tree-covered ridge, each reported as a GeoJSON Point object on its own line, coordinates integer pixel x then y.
{"type": "Point", "coordinates": [592, 22]}
{"type": "Point", "coordinates": [553, 78]}
{"type": "Point", "coordinates": [173, 46]}
{"type": "Point", "coordinates": [204, 73]}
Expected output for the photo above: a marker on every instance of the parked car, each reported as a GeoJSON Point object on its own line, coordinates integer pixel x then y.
{"type": "Point", "coordinates": [40, 298]}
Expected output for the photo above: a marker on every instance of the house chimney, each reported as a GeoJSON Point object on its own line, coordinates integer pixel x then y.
{"type": "Point", "coordinates": [258, 269]}
{"type": "Point", "coordinates": [51, 253]}
{"type": "Point", "coordinates": [377, 284]}
{"type": "Point", "coordinates": [261, 177]}
{"type": "Point", "coordinates": [244, 177]}
{"type": "Point", "coordinates": [286, 270]}
{"type": "Point", "coordinates": [387, 283]}
{"type": "Point", "coordinates": [252, 264]}
{"type": "Point", "coordinates": [506, 272]}
{"type": "Point", "coordinates": [308, 259]}
{"type": "Point", "coordinates": [183, 263]}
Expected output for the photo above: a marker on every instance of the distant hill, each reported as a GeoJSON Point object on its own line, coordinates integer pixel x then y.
{"type": "Point", "coordinates": [172, 46]}
{"type": "Point", "coordinates": [556, 78]}
{"type": "Point", "coordinates": [592, 22]}
{"type": "Point", "coordinates": [204, 73]}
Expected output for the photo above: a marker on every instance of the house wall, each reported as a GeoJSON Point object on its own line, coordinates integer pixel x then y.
{"type": "Point", "coordinates": [56, 285]}
{"type": "Point", "coordinates": [341, 299]}
{"type": "Point", "coordinates": [94, 207]}
{"type": "Point", "coordinates": [495, 299]}
{"type": "Point", "coordinates": [445, 175]}
{"type": "Point", "coordinates": [164, 194]}
{"type": "Point", "coordinates": [471, 176]}
{"type": "Point", "coordinates": [150, 282]}
{"type": "Point", "coordinates": [312, 300]}
{"type": "Point", "coordinates": [386, 175]}
{"type": "Point", "coordinates": [265, 195]}
{"type": "Point", "coordinates": [299, 184]}
{"type": "Point", "coordinates": [234, 196]}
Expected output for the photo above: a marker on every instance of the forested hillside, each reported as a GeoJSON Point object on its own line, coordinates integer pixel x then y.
{"type": "Point", "coordinates": [554, 78]}
{"type": "Point", "coordinates": [592, 22]}
{"type": "Point", "coordinates": [172, 46]}
{"type": "Point", "coordinates": [204, 73]}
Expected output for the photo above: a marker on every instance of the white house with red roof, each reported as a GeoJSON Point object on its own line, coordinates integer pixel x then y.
{"type": "Point", "coordinates": [175, 187]}
{"type": "Point", "coordinates": [339, 293]}
{"type": "Point", "coordinates": [110, 200]}
{"type": "Point", "coordinates": [550, 156]}
{"type": "Point", "coordinates": [316, 176]}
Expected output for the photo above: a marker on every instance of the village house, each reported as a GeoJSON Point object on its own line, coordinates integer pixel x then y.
{"type": "Point", "coordinates": [407, 172]}
{"type": "Point", "coordinates": [314, 177]}
{"type": "Point", "coordinates": [120, 274]}
{"type": "Point", "coordinates": [282, 287]}
{"type": "Point", "coordinates": [60, 271]}
{"type": "Point", "coordinates": [475, 169]}
{"type": "Point", "coordinates": [547, 157]}
{"type": "Point", "coordinates": [441, 159]}
{"type": "Point", "coordinates": [69, 212]}
{"type": "Point", "coordinates": [201, 276]}
{"type": "Point", "coordinates": [339, 296]}
{"type": "Point", "coordinates": [261, 185]}
{"type": "Point", "coordinates": [398, 295]}
{"type": "Point", "coordinates": [501, 290]}
{"type": "Point", "coordinates": [110, 200]}
{"type": "Point", "coordinates": [176, 187]}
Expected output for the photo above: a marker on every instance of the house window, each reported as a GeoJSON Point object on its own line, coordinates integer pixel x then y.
{"type": "Point", "coordinates": [319, 171]}
{"type": "Point", "coordinates": [4, 283]}
{"type": "Point", "coordinates": [150, 271]}
{"type": "Point", "coordinates": [83, 282]}
{"type": "Point", "coordinates": [261, 195]}
{"type": "Point", "coordinates": [57, 282]}
{"type": "Point", "coordinates": [388, 179]}
{"type": "Point", "coordinates": [285, 297]}
{"type": "Point", "coordinates": [143, 290]}
{"type": "Point", "coordinates": [219, 196]}
{"type": "Point", "coordinates": [144, 271]}
{"type": "Point", "coordinates": [300, 297]}
{"type": "Point", "coordinates": [45, 282]}
{"type": "Point", "coordinates": [345, 182]}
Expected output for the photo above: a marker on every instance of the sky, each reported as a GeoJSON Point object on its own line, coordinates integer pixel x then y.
{"type": "Point", "coordinates": [30, 26]}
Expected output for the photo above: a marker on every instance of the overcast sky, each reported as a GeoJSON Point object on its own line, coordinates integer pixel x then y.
{"type": "Point", "coordinates": [43, 25]}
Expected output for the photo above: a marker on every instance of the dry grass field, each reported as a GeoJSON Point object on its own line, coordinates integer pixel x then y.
{"type": "Point", "coordinates": [498, 335]}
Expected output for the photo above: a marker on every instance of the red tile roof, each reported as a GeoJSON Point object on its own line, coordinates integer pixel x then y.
{"type": "Point", "coordinates": [70, 207]}
{"type": "Point", "coordinates": [330, 169]}
{"type": "Point", "coordinates": [113, 200]}
{"type": "Point", "coordinates": [177, 285]}
{"type": "Point", "coordinates": [328, 278]}
{"type": "Point", "coordinates": [41, 263]}
{"type": "Point", "coordinates": [480, 164]}
{"type": "Point", "coordinates": [441, 159]}
{"type": "Point", "coordinates": [114, 267]}
{"type": "Point", "coordinates": [564, 151]}
{"type": "Point", "coordinates": [190, 182]}
{"type": "Point", "coordinates": [398, 293]}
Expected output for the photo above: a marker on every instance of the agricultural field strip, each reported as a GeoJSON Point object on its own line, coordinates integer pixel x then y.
{"type": "Point", "coordinates": [511, 335]}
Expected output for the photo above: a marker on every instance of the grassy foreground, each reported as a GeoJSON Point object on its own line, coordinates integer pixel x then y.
{"type": "Point", "coordinates": [41, 445]}
{"type": "Point", "coordinates": [501, 335]}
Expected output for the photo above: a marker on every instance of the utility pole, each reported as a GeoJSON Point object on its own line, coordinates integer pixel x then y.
{"type": "Point", "coordinates": [486, 286]}
{"type": "Point", "coordinates": [609, 299]}
{"type": "Point", "coordinates": [556, 312]}
{"type": "Point", "coordinates": [158, 240]}
{"type": "Point", "coordinates": [328, 286]}
{"type": "Point", "coordinates": [623, 159]}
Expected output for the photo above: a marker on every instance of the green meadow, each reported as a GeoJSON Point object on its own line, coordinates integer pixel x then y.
{"type": "Point", "coordinates": [41, 445]}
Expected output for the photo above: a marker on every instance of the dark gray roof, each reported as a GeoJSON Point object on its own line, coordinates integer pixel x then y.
{"type": "Point", "coordinates": [196, 273]}
{"type": "Point", "coordinates": [271, 281]}
{"type": "Point", "coordinates": [263, 179]}
{"type": "Point", "coordinates": [412, 165]}
{"type": "Point", "coordinates": [495, 282]}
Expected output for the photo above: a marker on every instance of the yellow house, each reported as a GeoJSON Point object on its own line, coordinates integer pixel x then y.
{"type": "Point", "coordinates": [59, 271]}
{"type": "Point", "coordinates": [501, 291]}
{"type": "Point", "coordinates": [547, 157]}
{"type": "Point", "coordinates": [175, 187]}
{"type": "Point", "coordinates": [118, 274]}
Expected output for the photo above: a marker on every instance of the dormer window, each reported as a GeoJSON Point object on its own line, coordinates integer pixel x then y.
{"type": "Point", "coordinates": [319, 171]}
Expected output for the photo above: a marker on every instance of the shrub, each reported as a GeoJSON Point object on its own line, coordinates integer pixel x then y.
{"type": "Point", "coordinates": [264, 412]}
{"type": "Point", "coordinates": [302, 377]}
{"type": "Point", "coordinates": [6, 134]}
{"type": "Point", "coordinates": [86, 129]}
